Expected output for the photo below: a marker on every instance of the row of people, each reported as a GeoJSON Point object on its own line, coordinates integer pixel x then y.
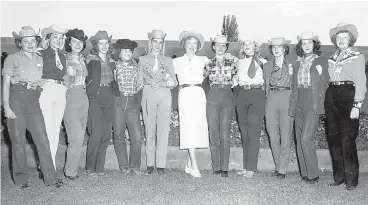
{"type": "Point", "coordinates": [101, 91]}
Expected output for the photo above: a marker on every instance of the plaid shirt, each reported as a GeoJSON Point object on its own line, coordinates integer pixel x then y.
{"type": "Point", "coordinates": [127, 76]}
{"type": "Point", "coordinates": [220, 72]}
{"type": "Point", "coordinates": [280, 77]}
{"type": "Point", "coordinates": [304, 71]}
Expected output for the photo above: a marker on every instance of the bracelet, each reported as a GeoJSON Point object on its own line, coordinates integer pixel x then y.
{"type": "Point", "coordinates": [358, 104]}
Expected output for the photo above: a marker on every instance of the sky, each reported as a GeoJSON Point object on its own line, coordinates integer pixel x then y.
{"type": "Point", "coordinates": [257, 20]}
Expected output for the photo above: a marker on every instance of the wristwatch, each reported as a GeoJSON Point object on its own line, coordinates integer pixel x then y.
{"type": "Point", "coordinates": [358, 104]}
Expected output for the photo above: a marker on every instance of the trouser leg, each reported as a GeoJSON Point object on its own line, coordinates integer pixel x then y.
{"type": "Point", "coordinates": [135, 132]}
{"type": "Point", "coordinates": [213, 119]}
{"type": "Point", "coordinates": [120, 116]}
{"type": "Point", "coordinates": [242, 114]}
{"type": "Point", "coordinates": [286, 125]}
{"type": "Point", "coordinates": [163, 128]}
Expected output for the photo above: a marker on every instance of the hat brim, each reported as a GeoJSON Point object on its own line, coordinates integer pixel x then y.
{"type": "Point", "coordinates": [347, 27]}
{"type": "Point", "coordinates": [151, 37]}
{"type": "Point", "coordinates": [281, 44]}
{"type": "Point", "coordinates": [95, 38]}
{"type": "Point", "coordinates": [48, 30]}
{"type": "Point", "coordinates": [314, 38]}
{"type": "Point", "coordinates": [257, 43]}
{"type": "Point", "coordinates": [186, 34]}
{"type": "Point", "coordinates": [131, 45]}
{"type": "Point", "coordinates": [16, 35]}
{"type": "Point", "coordinates": [214, 41]}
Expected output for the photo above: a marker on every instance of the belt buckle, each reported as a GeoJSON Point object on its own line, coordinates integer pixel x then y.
{"type": "Point", "coordinates": [126, 94]}
{"type": "Point", "coordinates": [31, 86]}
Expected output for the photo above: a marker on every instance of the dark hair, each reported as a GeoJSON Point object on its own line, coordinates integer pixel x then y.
{"type": "Point", "coordinates": [68, 48]}
{"type": "Point", "coordinates": [95, 51]}
{"type": "Point", "coordinates": [184, 40]}
{"type": "Point", "coordinates": [316, 48]}
{"type": "Point", "coordinates": [213, 44]}
{"type": "Point", "coordinates": [115, 54]}
{"type": "Point", "coordinates": [286, 47]}
{"type": "Point", "coordinates": [352, 38]}
{"type": "Point", "coordinates": [19, 40]}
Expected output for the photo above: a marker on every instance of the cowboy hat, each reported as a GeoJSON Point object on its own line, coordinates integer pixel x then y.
{"type": "Point", "coordinates": [186, 34]}
{"type": "Point", "coordinates": [100, 35]}
{"type": "Point", "coordinates": [219, 39]}
{"type": "Point", "coordinates": [156, 34]}
{"type": "Point", "coordinates": [344, 27]}
{"type": "Point", "coordinates": [257, 43]}
{"type": "Point", "coordinates": [53, 29]}
{"type": "Point", "coordinates": [77, 34]}
{"type": "Point", "coordinates": [26, 31]}
{"type": "Point", "coordinates": [307, 35]}
{"type": "Point", "coordinates": [278, 41]}
{"type": "Point", "coordinates": [125, 44]}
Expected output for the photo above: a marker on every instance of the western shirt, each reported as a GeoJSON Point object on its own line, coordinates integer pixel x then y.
{"type": "Point", "coordinates": [50, 71]}
{"type": "Point", "coordinates": [190, 70]}
{"type": "Point", "coordinates": [243, 67]}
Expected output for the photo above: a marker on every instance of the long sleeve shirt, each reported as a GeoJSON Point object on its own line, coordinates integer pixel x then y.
{"type": "Point", "coordinates": [350, 67]}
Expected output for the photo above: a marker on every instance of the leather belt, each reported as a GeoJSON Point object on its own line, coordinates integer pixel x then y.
{"type": "Point", "coordinates": [77, 86]}
{"type": "Point", "coordinates": [279, 88]}
{"type": "Point", "coordinates": [56, 81]}
{"type": "Point", "coordinates": [304, 86]}
{"type": "Point", "coordinates": [342, 83]}
{"type": "Point", "coordinates": [221, 86]}
{"type": "Point", "coordinates": [27, 85]}
{"type": "Point", "coordinates": [104, 85]}
{"type": "Point", "coordinates": [190, 85]}
{"type": "Point", "coordinates": [127, 94]}
{"type": "Point", "coordinates": [248, 87]}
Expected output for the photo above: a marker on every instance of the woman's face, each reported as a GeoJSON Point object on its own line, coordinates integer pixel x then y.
{"type": "Point", "coordinates": [56, 40]}
{"type": "Point", "coordinates": [125, 54]}
{"type": "Point", "coordinates": [157, 44]}
{"type": "Point", "coordinates": [307, 46]}
{"type": "Point", "coordinates": [342, 40]}
{"type": "Point", "coordinates": [103, 46]}
{"type": "Point", "coordinates": [278, 51]}
{"type": "Point", "coordinates": [28, 44]}
{"type": "Point", "coordinates": [249, 47]}
{"type": "Point", "coordinates": [191, 45]}
{"type": "Point", "coordinates": [220, 48]}
{"type": "Point", "coordinates": [76, 45]}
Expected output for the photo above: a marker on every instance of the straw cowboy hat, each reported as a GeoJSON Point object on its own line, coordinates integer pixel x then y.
{"type": "Point", "coordinates": [219, 39]}
{"type": "Point", "coordinates": [257, 43]}
{"type": "Point", "coordinates": [344, 27]}
{"type": "Point", "coordinates": [125, 44]}
{"type": "Point", "coordinates": [100, 35]}
{"type": "Point", "coordinates": [76, 33]}
{"type": "Point", "coordinates": [307, 35]}
{"type": "Point", "coordinates": [278, 41]}
{"type": "Point", "coordinates": [186, 34]}
{"type": "Point", "coordinates": [26, 31]}
{"type": "Point", "coordinates": [156, 34]}
{"type": "Point", "coordinates": [54, 29]}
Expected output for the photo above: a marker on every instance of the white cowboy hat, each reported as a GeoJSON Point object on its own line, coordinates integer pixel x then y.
{"type": "Point", "coordinates": [54, 29]}
{"type": "Point", "coordinates": [257, 43]}
{"type": "Point", "coordinates": [219, 39]}
{"type": "Point", "coordinates": [344, 26]}
{"type": "Point", "coordinates": [307, 35]}
{"type": "Point", "coordinates": [156, 34]}
{"type": "Point", "coordinates": [278, 41]}
{"type": "Point", "coordinates": [26, 31]}
{"type": "Point", "coordinates": [186, 34]}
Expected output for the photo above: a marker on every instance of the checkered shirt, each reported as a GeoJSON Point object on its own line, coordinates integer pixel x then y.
{"type": "Point", "coordinates": [220, 72]}
{"type": "Point", "coordinates": [127, 76]}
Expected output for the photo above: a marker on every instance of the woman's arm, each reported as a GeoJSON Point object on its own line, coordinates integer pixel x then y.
{"type": "Point", "coordinates": [6, 90]}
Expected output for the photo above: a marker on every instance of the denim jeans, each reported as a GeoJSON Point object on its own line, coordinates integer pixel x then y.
{"type": "Point", "coordinates": [220, 109]}
{"type": "Point", "coordinates": [342, 132]}
{"type": "Point", "coordinates": [100, 114]}
{"type": "Point", "coordinates": [26, 107]}
{"type": "Point", "coordinates": [75, 121]}
{"type": "Point", "coordinates": [127, 113]}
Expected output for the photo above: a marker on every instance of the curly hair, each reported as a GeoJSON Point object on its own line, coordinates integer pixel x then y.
{"type": "Point", "coordinates": [286, 47]}
{"type": "Point", "coordinates": [68, 48]}
{"type": "Point", "coordinates": [95, 51]}
{"type": "Point", "coordinates": [241, 54]}
{"type": "Point", "coordinates": [115, 54]}
{"type": "Point", "coordinates": [19, 40]}
{"type": "Point", "coordinates": [184, 40]}
{"type": "Point", "coordinates": [214, 43]}
{"type": "Point", "coordinates": [352, 38]}
{"type": "Point", "coordinates": [316, 48]}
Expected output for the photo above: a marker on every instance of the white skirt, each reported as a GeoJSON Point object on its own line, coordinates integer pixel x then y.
{"type": "Point", "coordinates": [192, 118]}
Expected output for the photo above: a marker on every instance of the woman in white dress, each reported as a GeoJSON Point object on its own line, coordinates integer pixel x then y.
{"type": "Point", "coordinates": [192, 99]}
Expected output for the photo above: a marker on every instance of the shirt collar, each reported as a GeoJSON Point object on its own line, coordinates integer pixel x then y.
{"type": "Point", "coordinates": [23, 55]}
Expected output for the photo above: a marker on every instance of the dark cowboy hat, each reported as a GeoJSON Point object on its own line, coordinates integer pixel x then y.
{"type": "Point", "coordinates": [100, 35]}
{"type": "Point", "coordinates": [125, 44]}
{"type": "Point", "coordinates": [76, 33]}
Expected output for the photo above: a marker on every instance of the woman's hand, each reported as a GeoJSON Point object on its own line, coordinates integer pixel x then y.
{"type": "Point", "coordinates": [9, 113]}
{"type": "Point", "coordinates": [155, 86]}
{"type": "Point", "coordinates": [354, 114]}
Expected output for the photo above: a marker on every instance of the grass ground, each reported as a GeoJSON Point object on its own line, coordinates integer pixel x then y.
{"type": "Point", "coordinates": [176, 187]}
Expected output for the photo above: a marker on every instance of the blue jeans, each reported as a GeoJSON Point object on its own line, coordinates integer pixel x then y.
{"type": "Point", "coordinates": [127, 113]}
{"type": "Point", "coordinates": [26, 108]}
{"type": "Point", "coordinates": [220, 109]}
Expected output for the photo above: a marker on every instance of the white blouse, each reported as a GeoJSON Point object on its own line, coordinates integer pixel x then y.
{"type": "Point", "coordinates": [243, 66]}
{"type": "Point", "coordinates": [190, 71]}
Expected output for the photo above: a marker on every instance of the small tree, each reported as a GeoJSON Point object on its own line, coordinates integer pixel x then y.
{"type": "Point", "coordinates": [230, 28]}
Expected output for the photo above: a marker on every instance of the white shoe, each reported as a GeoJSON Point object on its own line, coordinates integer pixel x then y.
{"type": "Point", "coordinates": [249, 174]}
{"type": "Point", "coordinates": [195, 173]}
{"type": "Point", "coordinates": [242, 172]}
{"type": "Point", "coordinates": [187, 169]}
